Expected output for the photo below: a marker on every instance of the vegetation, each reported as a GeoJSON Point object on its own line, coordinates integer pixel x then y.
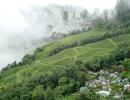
{"type": "Point", "coordinates": [60, 69]}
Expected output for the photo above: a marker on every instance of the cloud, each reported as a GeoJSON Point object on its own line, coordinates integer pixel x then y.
{"type": "Point", "coordinates": [21, 29]}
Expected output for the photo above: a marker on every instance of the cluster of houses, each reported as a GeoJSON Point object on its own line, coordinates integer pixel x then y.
{"type": "Point", "coordinates": [102, 83]}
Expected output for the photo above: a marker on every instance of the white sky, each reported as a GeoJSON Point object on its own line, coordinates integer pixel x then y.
{"type": "Point", "coordinates": [9, 9]}
{"type": "Point", "coordinates": [12, 22]}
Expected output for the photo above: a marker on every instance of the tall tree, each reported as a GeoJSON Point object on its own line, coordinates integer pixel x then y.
{"type": "Point", "coordinates": [123, 10]}
{"type": "Point", "coordinates": [84, 14]}
{"type": "Point", "coordinates": [65, 15]}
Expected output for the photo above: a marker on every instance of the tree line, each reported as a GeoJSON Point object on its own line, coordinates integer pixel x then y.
{"type": "Point", "coordinates": [93, 39]}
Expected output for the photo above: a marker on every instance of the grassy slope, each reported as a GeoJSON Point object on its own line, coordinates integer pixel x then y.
{"type": "Point", "coordinates": [87, 52]}
{"type": "Point", "coordinates": [68, 56]}
{"type": "Point", "coordinates": [67, 41]}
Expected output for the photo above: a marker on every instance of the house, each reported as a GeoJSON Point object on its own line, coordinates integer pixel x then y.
{"type": "Point", "coordinates": [104, 72]}
{"type": "Point", "coordinates": [84, 89]}
{"type": "Point", "coordinates": [118, 96]}
{"type": "Point", "coordinates": [114, 75]}
{"type": "Point", "coordinates": [127, 87]}
{"type": "Point", "coordinates": [104, 93]}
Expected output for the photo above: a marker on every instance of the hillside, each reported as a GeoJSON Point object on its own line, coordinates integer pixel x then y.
{"type": "Point", "coordinates": [67, 41]}
{"type": "Point", "coordinates": [89, 62]}
{"type": "Point", "coordinates": [45, 64]}
{"type": "Point", "coordinates": [65, 57]}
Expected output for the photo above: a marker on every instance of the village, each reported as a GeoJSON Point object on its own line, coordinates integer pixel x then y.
{"type": "Point", "coordinates": [106, 83]}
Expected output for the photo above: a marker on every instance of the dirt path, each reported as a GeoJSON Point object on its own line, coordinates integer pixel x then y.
{"type": "Point", "coordinates": [77, 53]}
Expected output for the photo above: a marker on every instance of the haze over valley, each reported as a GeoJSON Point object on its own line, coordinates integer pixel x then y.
{"type": "Point", "coordinates": [26, 24]}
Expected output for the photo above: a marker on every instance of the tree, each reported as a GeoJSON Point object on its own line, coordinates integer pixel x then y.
{"type": "Point", "coordinates": [14, 64]}
{"type": "Point", "coordinates": [65, 89]}
{"type": "Point", "coordinates": [96, 12]}
{"type": "Point", "coordinates": [6, 68]}
{"type": "Point", "coordinates": [84, 14]}
{"type": "Point", "coordinates": [49, 95]}
{"type": "Point", "coordinates": [38, 93]}
{"type": "Point", "coordinates": [28, 59]}
{"type": "Point", "coordinates": [126, 64]}
{"type": "Point", "coordinates": [106, 14]}
{"type": "Point", "coordinates": [98, 23]}
{"type": "Point", "coordinates": [123, 10]}
{"type": "Point", "coordinates": [88, 95]}
{"type": "Point", "coordinates": [65, 15]}
{"type": "Point", "coordinates": [63, 80]}
{"type": "Point", "coordinates": [39, 49]}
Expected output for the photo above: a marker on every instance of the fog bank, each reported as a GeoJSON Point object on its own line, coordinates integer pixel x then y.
{"type": "Point", "coordinates": [26, 24]}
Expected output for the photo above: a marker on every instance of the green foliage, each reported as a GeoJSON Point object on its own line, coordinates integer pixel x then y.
{"type": "Point", "coordinates": [82, 42]}
{"type": "Point", "coordinates": [64, 89]}
{"type": "Point", "coordinates": [124, 75]}
{"type": "Point", "coordinates": [39, 49]}
{"type": "Point", "coordinates": [123, 11]}
{"type": "Point", "coordinates": [116, 88]}
{"type": "Point", "coordinates": [126, 64]}
{"type": "Point", "coordinates": [46, 86]}
{"type": "Point", "coordinates": [38, 93]}
{"type": "Point", "coordinates": [63, 80]}
{"type": "Point", "coordinates": [49, 95]}
{"type": "Point", "coordinates": [57, 70]}
{"type": "Point", "coordinates": [28, 59]}
{"type": "Point", "coordinates": [88, 95]}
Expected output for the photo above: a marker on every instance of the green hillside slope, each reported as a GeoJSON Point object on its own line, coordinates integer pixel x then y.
{"type": "Point", "coordinates": [87, 52]}
{"type": "Point", "coordinates": [66, 41]}
{"type": "Point", "coordinates": [63, 58]}
{"type": "Point", "coordinates": [48, 64]}
{"type": "Point", "coordinates": [43, 63]}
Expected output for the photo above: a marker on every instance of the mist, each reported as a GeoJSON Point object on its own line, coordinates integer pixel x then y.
{"type": "Point", "coordinates": [23, 28]}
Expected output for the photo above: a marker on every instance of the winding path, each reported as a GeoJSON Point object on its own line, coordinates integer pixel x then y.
{"type": "Point", "coordinates": [77, 53]}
